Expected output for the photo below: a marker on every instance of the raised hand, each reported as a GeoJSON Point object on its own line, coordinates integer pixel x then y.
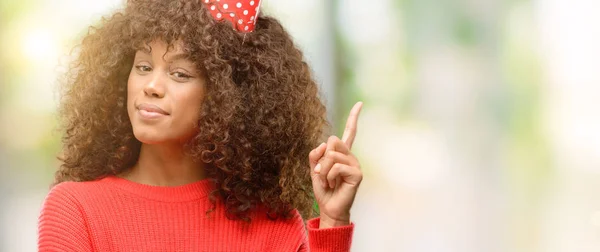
{"type": "Point", "coordinates": [336, 174]}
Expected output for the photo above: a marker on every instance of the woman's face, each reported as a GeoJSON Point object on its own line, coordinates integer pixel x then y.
{"type": "Point", "coordinates": [164, 95]}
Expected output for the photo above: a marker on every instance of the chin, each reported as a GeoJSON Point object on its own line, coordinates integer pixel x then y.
{"type": "Point", "coordinates": [148, 133]}
{"type": "Point", "coordinates": [147, 139]}
{"type": "Point", "coordinates": [153, 136]}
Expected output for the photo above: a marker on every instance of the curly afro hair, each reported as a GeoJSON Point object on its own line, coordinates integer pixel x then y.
{"type": "Point", "coordinates": [261, 116]}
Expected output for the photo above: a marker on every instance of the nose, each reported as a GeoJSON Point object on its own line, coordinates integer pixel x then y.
{"type": "Point", "coordinates": [155, 87]}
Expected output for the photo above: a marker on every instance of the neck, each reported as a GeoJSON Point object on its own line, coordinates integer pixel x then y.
{"type": "Point", "coordinates": [164, 165]}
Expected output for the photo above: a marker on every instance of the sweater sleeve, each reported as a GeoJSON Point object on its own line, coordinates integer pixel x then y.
{"type": "Point", "coordinates": [336, 239]}
{"type": "Point", "coordinates": [61, 224]}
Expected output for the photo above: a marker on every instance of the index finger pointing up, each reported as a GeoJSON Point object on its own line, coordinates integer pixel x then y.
{"type": "Point", "coordinates": [350, 130]}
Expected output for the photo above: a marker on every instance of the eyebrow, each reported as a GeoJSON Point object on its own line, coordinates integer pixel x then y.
{"type": "Point", "coordinates": [178, 56]}
{"type": "Point", "coordinates": [172, 58]}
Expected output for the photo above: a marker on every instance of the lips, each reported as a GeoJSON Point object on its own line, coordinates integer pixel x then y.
{"type": "Point", "coordinates": [147, 107]}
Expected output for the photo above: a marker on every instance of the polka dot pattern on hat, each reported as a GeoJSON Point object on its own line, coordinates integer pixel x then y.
{"type": "Point", "coordinates": [241, 13]}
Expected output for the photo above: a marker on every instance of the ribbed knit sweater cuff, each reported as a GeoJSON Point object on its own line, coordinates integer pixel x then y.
{"type": "Point", "coordinates": [336, 239]}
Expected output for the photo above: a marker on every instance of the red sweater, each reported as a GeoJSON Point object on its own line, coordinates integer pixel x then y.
{"type": "Point", "coordinates": [115, 214]}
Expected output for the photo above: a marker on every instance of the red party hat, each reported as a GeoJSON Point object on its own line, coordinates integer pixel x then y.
{"type": "Point", "coordinates": [241, 13]}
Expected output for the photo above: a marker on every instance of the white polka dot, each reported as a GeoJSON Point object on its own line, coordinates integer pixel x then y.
{"type": "Point", "coordinates": [246, 28]}
{"type": "Point", "coordinates": [245, 12]}
{"type": "Point", "coordinates": [219, 15]}
{"type": "Point", "coordinates": [225, 6]}
{"type": "Point", "coordinates": [213, 7]}
{"type": "Point", "coordinates": [232, 14]}
{"type": "Point", "coordinates": [240, 21]}
{"type": "Point", "coordinates": [206, 1]}
{"type": "Point", "coordinates": [251, 3]}
{"type": "Point", "coordinates": [239, 5]}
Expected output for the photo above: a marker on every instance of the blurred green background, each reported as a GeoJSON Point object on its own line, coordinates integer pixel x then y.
{"type": "Point", "coordinates": [479, 130]}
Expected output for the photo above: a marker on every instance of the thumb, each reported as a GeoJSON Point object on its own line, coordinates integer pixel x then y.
{"type": "Point", "coordinates": [315, 155]}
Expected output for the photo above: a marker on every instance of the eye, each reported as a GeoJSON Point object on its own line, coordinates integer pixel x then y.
{"type": "Point", "coordinates": [181, 75]}
{"type": "Point", "coordinates": [143, 68]}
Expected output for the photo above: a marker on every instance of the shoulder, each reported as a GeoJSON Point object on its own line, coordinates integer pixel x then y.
{"type": "Point", "coordinates": [294, 222]}
{"type": "Point", "coordinates": [62, 224]}
{"type": "Point", "coordinates": [70, 195]}
{"type": "Point", "coordinates": [72, 191]}
{"type": "Point", "coordinates": [282, 234]}
{"type": "Point", "coordinates": [61, 201]}
{"type": "Point", "coordinates": [62, 195]}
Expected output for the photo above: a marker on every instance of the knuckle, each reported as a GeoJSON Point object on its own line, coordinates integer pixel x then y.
{"type": "Point", "coordinates": [334, 167]}
{"type": "Point", "coordinates": [330, 176]}
{"type": "Point", "coordinates": [324, 176]}
{"type": "Point", "coordinates": [332, 138]}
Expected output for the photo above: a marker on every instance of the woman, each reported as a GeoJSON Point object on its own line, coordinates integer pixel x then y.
{"type": "Point", "coordinates": [183, 134]}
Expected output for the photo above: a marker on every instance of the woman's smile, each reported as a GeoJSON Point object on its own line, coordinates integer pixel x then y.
{"type": "Point", "coordinates": [151, 111]}
{"type": "Point", "coordinates": [145, 114]}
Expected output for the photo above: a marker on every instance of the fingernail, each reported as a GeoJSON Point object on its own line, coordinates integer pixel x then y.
{"type": "Point", "coordinates": [321, 145]}
{"type": "Point", "coordinates": [318, 168]}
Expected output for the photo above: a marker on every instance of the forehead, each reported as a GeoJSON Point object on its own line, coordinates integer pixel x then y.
{"type": "Point", "coordinates": [172, 52]}
{"type": "Point", "coordinates": [159, 46]}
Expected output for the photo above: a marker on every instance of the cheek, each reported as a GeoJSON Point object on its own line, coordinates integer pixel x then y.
{"type": "Point", "coordinates": [130, 90]}
{"type": "Point", "coordinates": [135, 86]}
{"type": "Point", "coordinates": [191, 107]}
{"type": "Point", "coordinates": [188, 114]}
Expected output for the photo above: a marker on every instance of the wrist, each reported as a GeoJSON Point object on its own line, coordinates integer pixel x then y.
{"type": "Point", "coordinates": [329, 222]}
